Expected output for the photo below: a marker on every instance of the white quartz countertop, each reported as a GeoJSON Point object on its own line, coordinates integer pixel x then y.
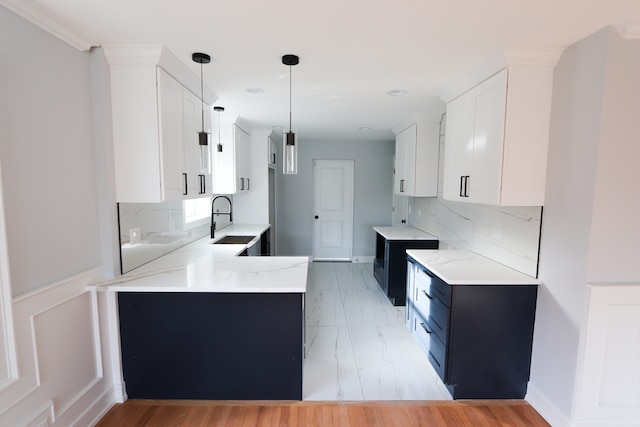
{"type": "Point", "coordinates": [468, 268]}
{"type": "Point", "coordinates": [403, 233]}
{"type": "Point", "coordinates": [205, 267]}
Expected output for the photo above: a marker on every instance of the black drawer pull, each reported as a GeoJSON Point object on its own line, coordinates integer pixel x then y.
{"type": "Point", "coordinates": [427, 295]}
{"type": "Point", "coordinates": [428, 273]}
{"type": "Point", "coordinates": [424, 326]}
{"type": "Point", "coordinates": [434, 359]}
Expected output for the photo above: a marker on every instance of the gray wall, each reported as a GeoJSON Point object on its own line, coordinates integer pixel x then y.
{"type": "Point", "coordinates": [373, 193]}
{"type": "Point", "coordinates": [590, 230]}
{"type": "Point", "coordinates": [47, 156]}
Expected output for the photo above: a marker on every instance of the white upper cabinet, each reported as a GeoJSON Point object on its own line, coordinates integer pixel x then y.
{"type": "Point", "coordinates": [156, 119]}
{"type": "Point", "coordinates": [496, 139]}
{"type": "Point", "coordinates": [273, 152]}
{"type": "Point", "coordinates": [231, 169]}
{"type": "Point", "coordinates": [199, 173]}
{"type": "Point", "coordinates": [416, 160]}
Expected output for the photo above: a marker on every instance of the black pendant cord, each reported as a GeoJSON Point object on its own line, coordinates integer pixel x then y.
{"type": "Point", "coordinates": [202, 96]}
{"type": "Point", "coordinates": [289, 99]}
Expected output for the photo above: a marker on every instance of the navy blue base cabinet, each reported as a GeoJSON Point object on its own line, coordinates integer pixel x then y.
{"type": "Point", "coordinates": [214, 346]}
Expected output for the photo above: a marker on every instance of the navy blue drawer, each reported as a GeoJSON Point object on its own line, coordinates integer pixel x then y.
{"type": "Point", "coordinates": [437, 287]}
{"type": "Point", "coordinates": [431, 344]}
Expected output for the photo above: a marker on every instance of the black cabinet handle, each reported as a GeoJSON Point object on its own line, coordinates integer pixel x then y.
{"type": "Point", "coordinates": [425, 328]}
{"type": "Point", "coordinates": [248, 184]}
{"type": "Point", "coordinates": [316, 217]}
{"type": "Point", "coordinates": [404, 221]}
{"type": "Point", "coordinates": [184, 192]}
{"type": "Point", "coordinates": [203, 185]}
{"type": "Point", "coordinates": [466, 186]}
{"type": "Point", "coordinates": [428, 273]}
{"type": "Point", "coordinates": [274, 158]}
{"type": "Point", "coordinates": [402, 185]}
{"type": "Point", "coordinates": [241, 183]}
{"type": "Point", "coordinates": [461, 186]}
{"type": "Point", "coordinates": [427, 295]}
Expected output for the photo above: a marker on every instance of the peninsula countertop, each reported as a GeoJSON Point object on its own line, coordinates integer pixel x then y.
{"type": "Point", "coordinates": [403, 233]}
{"type": "Point", "coordinates": [204, 267]}
{"type": "Point", "coordinates": [460, 267]}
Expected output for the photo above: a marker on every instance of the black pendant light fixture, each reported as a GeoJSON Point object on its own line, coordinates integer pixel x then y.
{"type": "Point", "coordinates": [218, 154]}
{"type": "Point", "coordinates": [289, 146]}
{"type": "Point", "coordinates": [203, 137]}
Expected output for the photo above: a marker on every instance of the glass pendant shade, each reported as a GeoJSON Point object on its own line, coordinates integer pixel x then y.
{"type": "Point", "coordinates": [205, 155]}
{"type": "Point", "coordinates": [290, 154]}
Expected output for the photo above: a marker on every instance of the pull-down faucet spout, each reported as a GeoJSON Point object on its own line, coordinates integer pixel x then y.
{"type": "Point", "coordinates": [213, 212]}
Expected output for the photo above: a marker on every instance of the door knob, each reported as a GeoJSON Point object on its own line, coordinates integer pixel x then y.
{"type": "Point", "coordinates": [316, 217]}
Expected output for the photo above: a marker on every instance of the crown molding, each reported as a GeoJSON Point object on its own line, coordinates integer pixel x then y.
{"type": "Point", "coordinates": [157, 56]}
{"type": "Point", "coordinates": [43, 19]}
{"type": "Point", "coordinates": [629, 29]}
{"type": "Point", "coordinates": [512, 57]}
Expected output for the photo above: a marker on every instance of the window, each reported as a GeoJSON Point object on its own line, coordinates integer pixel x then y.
{"type": "Point", "coordinates": [196, 212]}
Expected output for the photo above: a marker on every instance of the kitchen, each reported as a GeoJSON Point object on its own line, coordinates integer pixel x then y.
{"type": "Point", "coordinates": [588, 234]}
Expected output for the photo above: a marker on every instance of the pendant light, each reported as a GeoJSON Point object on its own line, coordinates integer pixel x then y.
{"type": "Point", "coordinates": [289, 146]}
{"type": "Point", "coordinates": [203, 137]}
{"type": "Point", "coordinates": [218, 155]}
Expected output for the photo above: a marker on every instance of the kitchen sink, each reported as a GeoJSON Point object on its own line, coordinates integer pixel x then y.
{"type": "Point", "coordinates": [234, 240]}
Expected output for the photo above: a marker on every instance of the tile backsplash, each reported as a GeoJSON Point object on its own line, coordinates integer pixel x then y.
{"type": "Point", "coordinates": [508, 235]}
{"type": "Point", "coordinates": [150, 230]}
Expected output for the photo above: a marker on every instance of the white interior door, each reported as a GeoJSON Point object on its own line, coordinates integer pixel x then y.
{"type": "Point", "coordinates": [333, 209]}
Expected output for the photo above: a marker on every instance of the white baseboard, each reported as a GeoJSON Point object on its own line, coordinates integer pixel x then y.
{"type": "Point", "coordinates": [362, 259]}
{"type": "Point", "coordinates": [546, 408]}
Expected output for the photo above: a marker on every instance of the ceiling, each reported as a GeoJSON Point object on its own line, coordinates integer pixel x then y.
{"type": "Point", "coordinates": [352, 52]}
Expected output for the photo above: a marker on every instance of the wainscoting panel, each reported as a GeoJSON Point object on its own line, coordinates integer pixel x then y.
{"type": "Point", "coordinates": [609, 389]}
{"type": "Point", "coordinates": [60, 378]}
{"type": "Point", "coordinates": [66, 349]}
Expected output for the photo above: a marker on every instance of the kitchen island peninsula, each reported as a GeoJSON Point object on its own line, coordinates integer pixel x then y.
{"type": "Point", "coordinates": [204, 323]}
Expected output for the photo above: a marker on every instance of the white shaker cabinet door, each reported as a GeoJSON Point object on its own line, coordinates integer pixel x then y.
{"type": "Point", "coordinates": [458, 149]}
{"type": "Point", "coordinates": [489, 103]}
{"type": "Point", "coordinates": [174, 180]}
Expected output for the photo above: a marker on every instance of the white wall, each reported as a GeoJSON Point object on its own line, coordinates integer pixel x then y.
{"type": "Point", "coordinates": [47, 157]}
{"type": "Point", "coordinates": [53, 343]}
{"type": "Point", "coordinates": [590, 235]}
{"type": "Point", "coordinates": [373, 193]}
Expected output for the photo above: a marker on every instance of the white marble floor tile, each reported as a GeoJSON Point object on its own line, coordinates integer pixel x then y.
{"type": "Point", "coordinates": [322, 275]}
{"type": "Point", "coordinates": [330, 371]}
{"type": "Point", "coordinates": [389, 366]}
{"type": "Point", "coordinates": [368, 308]}
{"type": "Point", "coordinates": [358, 277]}
{"type": "Point", "coordinates": [324, 308]}
{"type": "Point", "coordinates": [373, 357]}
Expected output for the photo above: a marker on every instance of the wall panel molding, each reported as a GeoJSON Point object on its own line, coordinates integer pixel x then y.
{"type": "Point", "coordinates": [608, 388]}
{"type": "Point", "coordinates": [59, 349]}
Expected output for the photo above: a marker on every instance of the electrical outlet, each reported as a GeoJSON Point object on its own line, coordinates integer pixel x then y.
{"type": "Point", "coordinates": [135, 236]}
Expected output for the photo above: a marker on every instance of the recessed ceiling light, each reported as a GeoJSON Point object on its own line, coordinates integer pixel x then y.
{"type": "Point", "coordinates": [255, 90]}
{"type": "Point", "coordinates": [397, 92]}
{"type": "Point", "coordinates": [364, 128]}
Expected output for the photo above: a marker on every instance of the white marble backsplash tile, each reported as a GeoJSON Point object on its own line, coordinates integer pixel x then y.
{"type": "Point", "coordinates": [508, 235]}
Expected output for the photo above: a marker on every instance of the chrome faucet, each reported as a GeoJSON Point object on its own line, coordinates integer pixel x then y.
{"type": "Point", "coordinates": [213, 223]}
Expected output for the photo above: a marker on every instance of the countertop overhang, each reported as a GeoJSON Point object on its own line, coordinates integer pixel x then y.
{"type": "Point", "coordinates": [403, 233]}
{"type": "Point", "coordinates": [459, 267]}
{"type": "Point", "coordinates": [205, 267]}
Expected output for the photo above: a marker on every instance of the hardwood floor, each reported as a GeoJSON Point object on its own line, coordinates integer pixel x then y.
{"type": "Point", "coordinates": [173, 413]}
